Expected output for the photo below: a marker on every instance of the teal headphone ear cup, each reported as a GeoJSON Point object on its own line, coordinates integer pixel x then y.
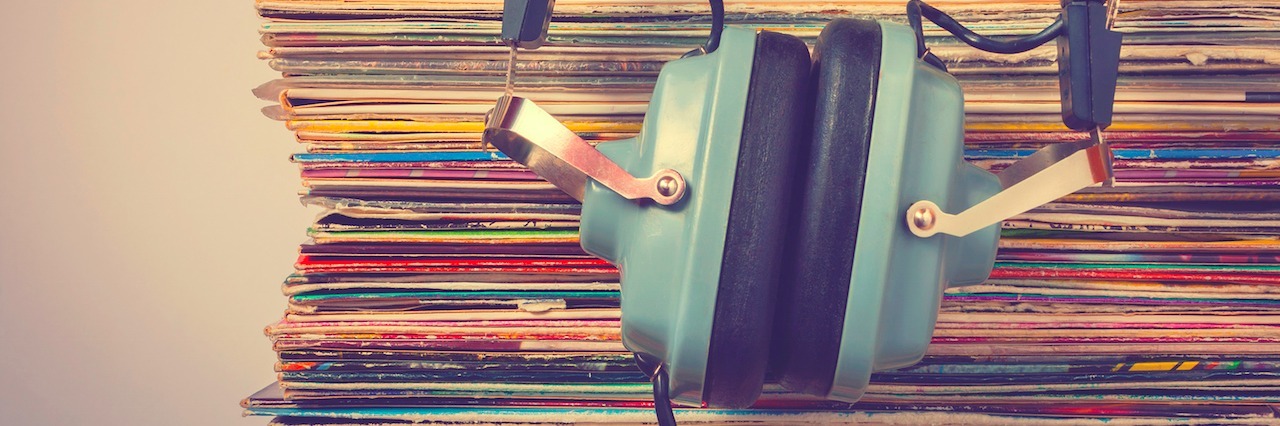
{"type": "Point", "coordinates": [776, 125]}
{"type": "Point", "coordinates": [821, 247]}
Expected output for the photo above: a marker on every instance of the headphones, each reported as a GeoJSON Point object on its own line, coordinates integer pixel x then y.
{"type": "Point", "coordinates": [778, 211]}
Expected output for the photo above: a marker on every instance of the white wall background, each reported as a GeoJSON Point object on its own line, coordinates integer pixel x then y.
{"type": "Point", "coordinates": [147, 213]}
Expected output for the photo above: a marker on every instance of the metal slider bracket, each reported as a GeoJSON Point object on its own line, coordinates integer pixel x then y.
{"type": "Point", "coordinates": [1048, 174]}
{"type": "Point", "coordinates": [531, 136]}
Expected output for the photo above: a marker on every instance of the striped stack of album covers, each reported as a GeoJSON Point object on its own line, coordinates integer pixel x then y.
{"type": "Point", "coordinates": [444, 283]}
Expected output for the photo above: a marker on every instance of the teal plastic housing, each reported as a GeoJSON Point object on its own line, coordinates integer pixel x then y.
{"type": "Point", "coordinates": [670, 256]}
{"type": "Point", "coordinates": [916, 153]}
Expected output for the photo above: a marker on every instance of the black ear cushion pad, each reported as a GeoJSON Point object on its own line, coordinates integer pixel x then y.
{"type": "Point", "coordinates": [815, 288]}
{"type": "Point", "coordinates": [776, 125]}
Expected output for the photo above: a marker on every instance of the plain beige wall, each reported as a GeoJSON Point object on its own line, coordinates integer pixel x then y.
{"type": "Point", "coordinates": [148, 213]}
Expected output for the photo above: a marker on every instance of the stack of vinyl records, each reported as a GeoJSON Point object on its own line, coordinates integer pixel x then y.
{"type": "Point", "coordinates": [444, 283]}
